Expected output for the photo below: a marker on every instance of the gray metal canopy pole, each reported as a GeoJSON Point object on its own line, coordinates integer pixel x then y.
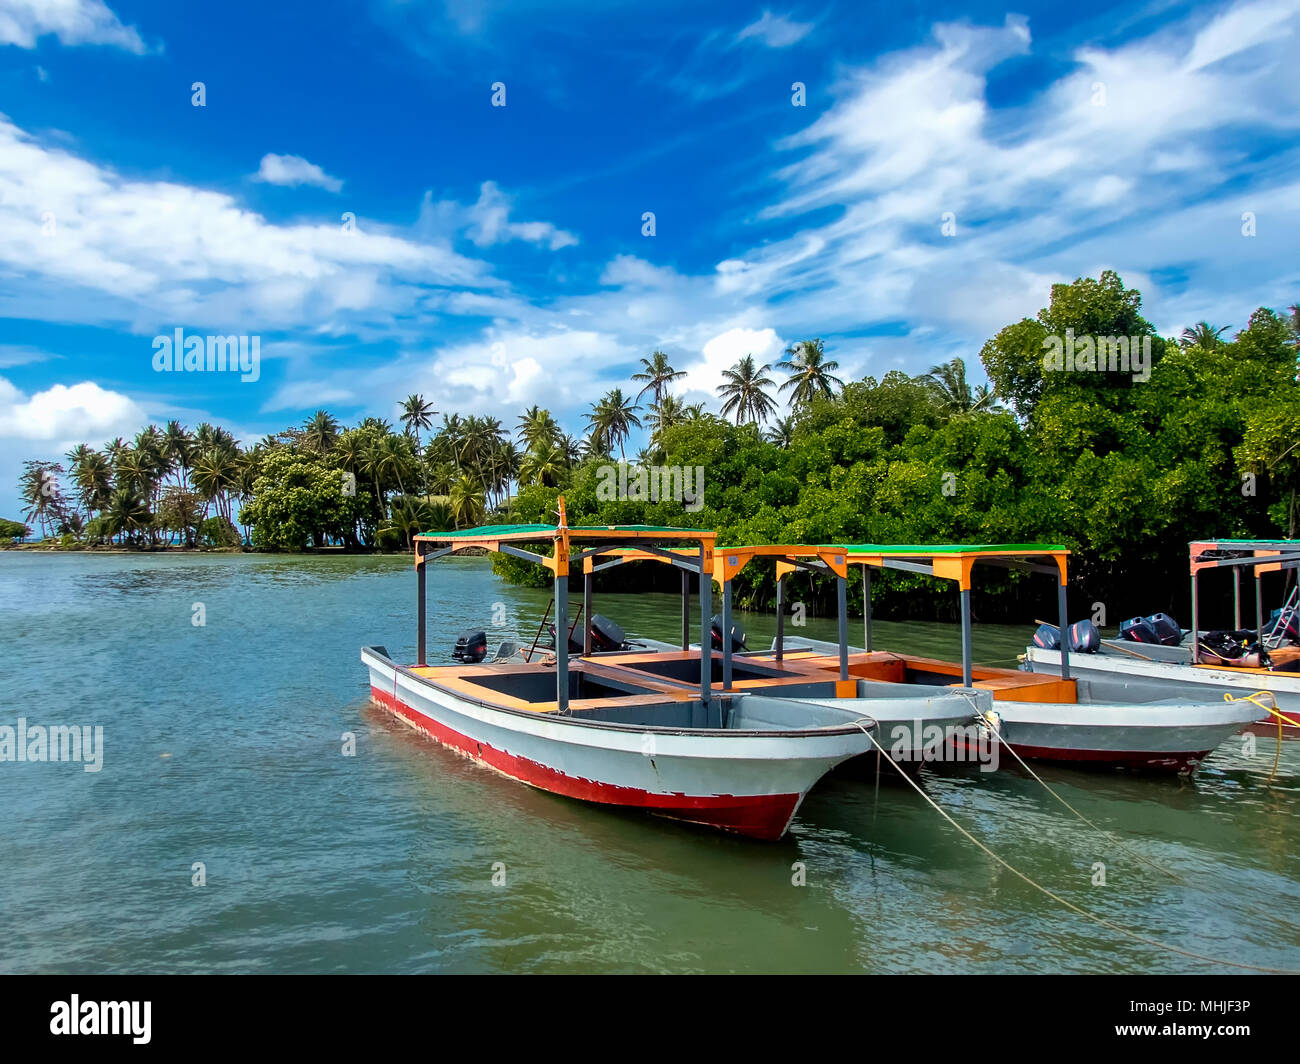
{"type": "Point", "coordinates": [1196, 622]}
{"type": "Point", "coordinates": [1236, 599]}
{"type": "Point", "coordinates": [966, 664]}
{"type": "Point", "coordinates": [726, 635]}
{"type": "Point", "coordinates": [686, 610]}
{"type": "Point", "coordinates": [1259, 611]}
{"type": "Point", "coordinates": [561, 641]}
{"type": "Point", "coordinates": [420, 565]}
{"type": "Point", "coordinates": [1063, 609]}
{"type": "Point", "coordinates": [706, 645]}
{"type": "Point", "coordinates": [586, 615]}
{"type": "Point", "coordinates": [780, 617]}
{"type": "Point", "coordinates": [866, 608]}
{"type": "Point", "coordinates": [842, 596]}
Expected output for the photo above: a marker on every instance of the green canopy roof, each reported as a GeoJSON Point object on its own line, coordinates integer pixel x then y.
{"type": "Point", "coordinates": [942, 549]}
{"type": "Point", "coordinates": [586, 532]}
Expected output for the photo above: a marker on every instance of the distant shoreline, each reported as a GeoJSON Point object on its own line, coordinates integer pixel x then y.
{"type": "Point", "coordinates": [56, 548]}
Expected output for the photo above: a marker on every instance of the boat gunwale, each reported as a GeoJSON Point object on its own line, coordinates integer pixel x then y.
{"type": "Point", "coordinates": [828, 731]}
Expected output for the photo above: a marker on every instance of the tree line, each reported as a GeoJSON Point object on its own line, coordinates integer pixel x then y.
{"type": "Point", "coordinates": [1122, 471]}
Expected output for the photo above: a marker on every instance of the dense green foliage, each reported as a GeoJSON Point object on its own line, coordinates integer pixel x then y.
{"type": "Point", "coordinates": [1122, 467]}
{"type": "Point", "coordinates": [13, 530]}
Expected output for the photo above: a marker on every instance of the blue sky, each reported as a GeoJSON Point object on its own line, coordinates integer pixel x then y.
{"type": "Point", "coordinates": [497, 257]}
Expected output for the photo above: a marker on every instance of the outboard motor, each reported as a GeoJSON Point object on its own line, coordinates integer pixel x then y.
{"type": "Point", "coordinates": [575, 644]}
{"type": "Point", "coordinates": [471, 647]}
{"type": "Point", "coordinates": [1138, 630]}
{"type": "Point", "coordinates": [1084, 638]}
{"type": "Point", "coordinates": [606, 635]}
{"type": "Point", "coordinates": [1047, 637]}
{"type": "Point", "coordinates": [737, 635]}
{"type": "Point", "coordinates": [1166, 628]}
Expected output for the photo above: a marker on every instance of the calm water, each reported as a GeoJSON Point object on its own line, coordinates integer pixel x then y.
{"type": "Point", "coordinates": [222, 744]}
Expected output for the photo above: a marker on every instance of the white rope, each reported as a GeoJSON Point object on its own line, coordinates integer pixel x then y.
{"type": "Point", "coordinates": [1064, 901]}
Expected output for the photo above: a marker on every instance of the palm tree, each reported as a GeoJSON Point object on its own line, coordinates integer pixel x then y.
{"type": "Point", "coordinates": [537, 428]}
{"type": "Point", "coordinates": [93, 475]}
{"type": "Point", "coordinates": [612, 419]}
{"type": "Point", "coordinates": [744, 391]}
{"type": "Point", "coordinates": [949, 383]}
{"type": "Point", "coordinates": [39, 490]}
{"type": "Point", "coordinates": [782, 432]}
{"type": "Point", "coordinates": [668, 412]}
{"type": "Point", "coordinates": [1202, 337]}
{"type": "Point", "coordinates": [572, 448]}
{"type": "Point", "coordinates": [811, 372]}
{"type": "Point", "coordinates": [543, 467]}
{"type": "Point", "coordinates": [127, 515]}
{"type": "Point", "coordinates": [466, 499]}
{"type": "Point", "coordinates": [658, 374]}
{"type": "Point", "coordinates": [215, 475]}
{"type": "Point", "coordinates": [417, 415]}
{"type": "Point", "coordinates": [178, 449]}
{"type": "Point", "coordinates": [319, 432]}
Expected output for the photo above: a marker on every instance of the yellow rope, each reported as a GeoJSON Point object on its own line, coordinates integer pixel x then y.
{"type": "Point", "coordinates": [1064, 901]}
{"type": "Point", "coordinates": [1277, 756]}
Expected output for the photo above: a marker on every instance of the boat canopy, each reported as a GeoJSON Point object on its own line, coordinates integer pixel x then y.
{"type": "Point", "coordinates": [1256, 556]}
{"type": "Point", "coordinates": [591, 542]}
{"type": "Point", "coordinates": [950, 561]}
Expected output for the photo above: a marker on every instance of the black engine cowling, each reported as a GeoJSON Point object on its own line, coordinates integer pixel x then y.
{"type": "Point", "coordinates": [471, 647]}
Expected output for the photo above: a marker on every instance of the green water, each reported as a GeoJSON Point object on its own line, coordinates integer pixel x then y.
{"type": "Point", "coordinates": [223, 745]}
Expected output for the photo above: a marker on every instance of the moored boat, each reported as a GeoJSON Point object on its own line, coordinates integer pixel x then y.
{"type": "Point", "coordinates": [598, 730]}
{"type": "Point", "coordinates": [1057, 717]}
{"type": "Point", "coordinates": [1144, 671]}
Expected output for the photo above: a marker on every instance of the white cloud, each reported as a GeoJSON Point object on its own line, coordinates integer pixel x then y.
{"type": "Point", "coordinates": [21, 355]}
{"type": "Point", "coordinates": [293, 170]}
{"type": "Point", "coordinates": [80, 242]}
{"type": "Point", "coordinates": [61, 412]}
{"type": "Point", "coordinates": [721, 352]}
{"type": "Point", "coordinates": [487, 221]}
{"type": "Point", "coordinates": [775, 31]}
{"type": "Point", "coordinates": [22, 22]}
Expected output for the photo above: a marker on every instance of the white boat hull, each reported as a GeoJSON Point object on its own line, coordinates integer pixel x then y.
{"type": "Point", "coordinates": [746, 781]}
{"type": "Point", "coordinates": [1180, 680]}
{"type": "Point", "coordinates": [1170, 736]}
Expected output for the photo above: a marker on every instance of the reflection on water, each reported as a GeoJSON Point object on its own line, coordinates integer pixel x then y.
{"type": "Point", "coordinates": [223, 745]}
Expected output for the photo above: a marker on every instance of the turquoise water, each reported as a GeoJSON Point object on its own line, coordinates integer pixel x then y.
{"type": "Point", "coordinates": [223, 745]}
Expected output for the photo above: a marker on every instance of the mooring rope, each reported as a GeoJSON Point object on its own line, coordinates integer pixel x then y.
{"type": "Point", "coordinates": [1065, 901]}
{"type": "Point", "coordinates": [1277, 756]}
{"type": "Point", "coordinates": [1095, 827]}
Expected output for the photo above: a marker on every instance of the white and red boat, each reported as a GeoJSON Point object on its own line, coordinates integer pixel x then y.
{"type": "Point", "coordinates": [608, 732]}
{"type": "Point", "coordinates": [1151, 670]}
{"type": "Point", "coordinates": [1055, 717]}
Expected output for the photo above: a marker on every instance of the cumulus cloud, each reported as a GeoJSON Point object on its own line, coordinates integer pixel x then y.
{"type": "Point", "coordinates": [64, 412]}
{"type": "Point", "coordinates": [22, 22]}
{"type": "Point", "coordinates": [721, 352]}
{"type": "Point", "coordinates": [291, 170]}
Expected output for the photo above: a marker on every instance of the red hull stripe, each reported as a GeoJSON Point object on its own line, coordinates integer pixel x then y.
{"type": "Point", "coordinates": [1174, 760]}
{"type": "Point", "coordinates": [760, 816]}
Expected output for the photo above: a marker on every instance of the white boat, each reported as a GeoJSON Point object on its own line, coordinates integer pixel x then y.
{"type": "Point", "coordinates": [604, 732]}
{"type": "Point", "coordinates": [1057, 717]}
{"type": "Point", "coordinates": [1144, 671]}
